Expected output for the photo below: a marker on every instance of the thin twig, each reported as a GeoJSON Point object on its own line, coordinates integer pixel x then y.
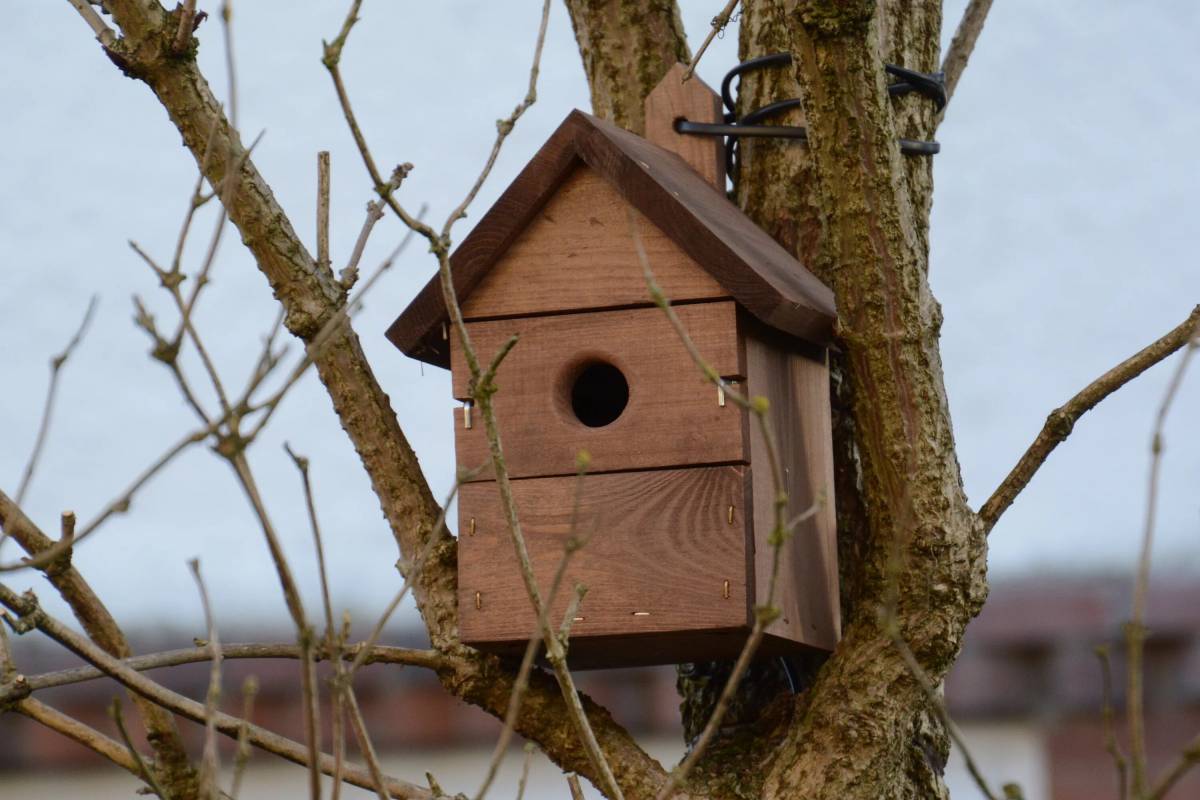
{"type": "Point", "coordinates": [78, 732]}
{"type": "Point", "coordinates": [939, 707]}
{"type": "Point", "coordinates": [56, 365]}
{"type": "Point", "coordinates": [379, 654]}
{"type": "Point", "coordinates": [1135, 631]}
{"type": "Point", "coordinates": [301, 463]}
{"type": "Point", "coordinates": [350, 703]}
{"type": "Point", "coordinates": [210, 762]}
{"type": "Point", "coordinates": [348, 276]}
{"type": "Point", "coordinates": [573, 785]}
{"type": "Point", "coordinates": [530, 749]}
{"type": "Point", "coordinates": [323, 209]}
{"type": "Point", "coordinates": [1060, 422]}
{"type": "Point", "coordinates": [963, 43]}
{"type": "Point", "coordinates": [143, 771]}
{"type": "Point", "coordinates": [1189, 758]}
{"type": "Point", "coordinates": [187, 19]}
{"type": "Point", "coordinates": [573, 544]}
{"type": "Point", "coordinates": [1109, 715]}
{"type": "Point", "coordinates": [242, 756]}
{"type": "Point", "coordinates": [505, 126]}
{"type": "Point", "coordinates": [30, 614]}
{"type": "Point", "coordinates": [106, 36]}
{"type": "Point", "coordinates": [718, 24]}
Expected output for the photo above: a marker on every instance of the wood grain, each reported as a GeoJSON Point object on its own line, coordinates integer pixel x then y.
{"type": "Point", "coordinates": [797, 387]}
{"type": "Point", "coordinates": [693, 100]}
{"type": "Point", "coordinates": [660, 544]}
{"type": "Point", "coordinates": [672, 418]}
{"type": "Point", "coordinates": [748, 264]}
{"type": "Point", "coordinates": [578, 253]}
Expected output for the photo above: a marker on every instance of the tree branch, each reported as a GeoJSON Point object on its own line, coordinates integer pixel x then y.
{"type": "Point", "coordinates": [965, 36]}
{"type": "Point", "coordinates": [1062, 420]}
{"type": "Point", "coordinates": [30, 615]}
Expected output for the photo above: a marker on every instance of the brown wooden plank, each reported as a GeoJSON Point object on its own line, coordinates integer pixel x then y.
{"type": "Point", "coordinates": [660, 543]}
{"type": "Point", "coordinates": [578, 252]}
{"type": "Point", "coordinates": [797, 387]}
{"type": "Point", "coordinates": [693, 100]}
{"type": "Point", "coordinates": [672, 417]}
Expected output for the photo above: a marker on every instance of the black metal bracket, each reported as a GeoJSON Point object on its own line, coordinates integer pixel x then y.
{"type": "Point", "coordinates": [929, 84]}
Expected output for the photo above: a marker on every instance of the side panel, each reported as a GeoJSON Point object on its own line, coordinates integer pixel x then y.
{"type": "Point", "coordinates": [797, 387]}
{"type": "Point", "coordinates": [578, 253]}
{"type": "Point", "coordinates": [672, 417]}
{"type": "Point", "coordinates": [660, 547]}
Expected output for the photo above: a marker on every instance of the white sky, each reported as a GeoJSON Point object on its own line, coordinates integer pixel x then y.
{"type": "Point", "coordinates": [1064, 234]}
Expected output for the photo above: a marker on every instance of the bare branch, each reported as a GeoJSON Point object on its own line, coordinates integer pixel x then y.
{"type": "Point", "coordinates": [379, 654]}
{"type": "Point", "coordinates": [323, 209]}
{"type": "Point", "coordinates": [31, 615]}
{"type": "Point", "coordinates": [718, 25]}
{"type": "Point", "coordinates": [1188, 759]}
{"type": "Point", "coordinates": [505, 126]}
{"type": "Point", "coordinates": [143, 771]}
{"type": "Point", "coordinates": [187, 22]}
{"type": "Point", "coordinates": [301, 463]}
{"type": "Point", "coordinates": [56, 365]}
{"type": "Point", "coordinates": [530, 749]}
{"type": "Point", "coordinates": [1060, 422]}
{"type": "Point", "coordinates": [242, 757]}
{"type": "Point", "coordinates": [106, 36]}
{"type": "Point", "coordinates": [102, 629]}
{"type": "Point", "coordinates": [210, 763]}
{"type": "Point", "coordinates": [573, 785]}
{"type": "Point", "coordinates": [1108, 715]}
{"type": "Point", "coordinates": [573, 544]}
{"type": "Point", "coordinates": [965, 36]}
{"type": "Point", "coordinates": [939, 707]}
{"type": "Point", "coordinates": [1135, 631]}
{"type": "Point", "coordinates": [76, 731]}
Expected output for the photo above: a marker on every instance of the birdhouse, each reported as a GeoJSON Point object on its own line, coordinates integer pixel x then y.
{"type": "Point", "coordinates": [678, 502]}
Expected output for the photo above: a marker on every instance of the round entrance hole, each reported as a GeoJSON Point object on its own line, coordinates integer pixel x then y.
{"type": "Point", "coordinates": [599, 394]}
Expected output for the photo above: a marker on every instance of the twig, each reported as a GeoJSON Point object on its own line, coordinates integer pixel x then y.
{"type": "Point", "coordinates": [348, 276]}
{"type": "Point", "coordinates": [505, 126]}
{"type": "Point", "coordinates": [242, 757]}
{"type": "Point", "coordinates": [1135, 631]}
{"type": "Point", "coordinates": [301, 463]}
{"type": "Point", "coordinates": [76, 731]}
{"type": "Point", "coordinates": [521, 685]}
{"type": "Point", "coordinates": [379, 654]}
{"type": "Point", "coordinates": [1060, 422]}
{"type": "Point", "coordinates": [718, 24]}
{"type": "Point", "coordinates": [764, 614]}
{"type": "Point", "coordinates": [120, 505]}
{"type": "Point", "coordinates": [311, 698]}
{"type": "Point", "coordinates": [530, 749]}
{"type": "Point", "coordinates": [965, 36]}
{"type": "Point", "coordinates": [331, 58]}
{"type": "Point", "coordinates": [573, 785]}
{"type": "Point", "coordinates": [914, 667]}
{"type": "Point", "coordinates": [56, 365]}
{"type": "Point", "coordinates": [1109, 715]}
{"type": "Point", "coordinates": [210, 763]}
{"type": "Point", "coordinates": [350, 703]}
{"type": "Point", "coordinates": [411, 572]}
{"type": "Point", "coordinates": [31, 615]}
{"type": "Point", "coordinates": [187, 19]}
{"type": "Point", "coordinates": [106, 36]}
{"type": "Point", "coordinates": [323, 209]}
{"type": "Point", "coordinates": [1189, 758]}
{"type": "Point", "coordinates": [143, 771]}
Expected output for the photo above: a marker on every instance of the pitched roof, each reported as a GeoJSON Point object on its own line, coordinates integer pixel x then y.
{"type": "Point", "coordinates": [762, 276]}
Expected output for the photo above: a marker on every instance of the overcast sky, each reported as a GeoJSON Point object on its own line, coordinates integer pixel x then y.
{"type": "Point", "coordinates": [1064, 238]}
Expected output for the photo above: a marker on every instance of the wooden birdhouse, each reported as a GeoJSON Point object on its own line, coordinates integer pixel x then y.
{"type": "Point", "coordinates": [678, 499]}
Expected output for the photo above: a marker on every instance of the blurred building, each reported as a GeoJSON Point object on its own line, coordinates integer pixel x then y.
{"type": "Point", "coordinates": [1027, 693]}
